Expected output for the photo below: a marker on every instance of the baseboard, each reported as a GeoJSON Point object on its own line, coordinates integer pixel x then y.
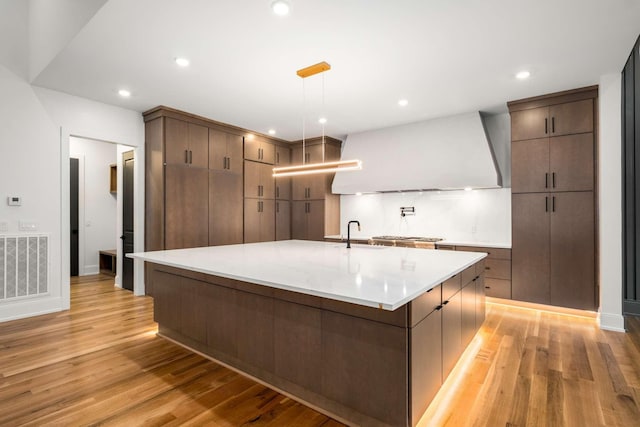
{"type": "Point", "coordinates": [611, 322]}
{"type": "Point", "coordinates": [21, 309]}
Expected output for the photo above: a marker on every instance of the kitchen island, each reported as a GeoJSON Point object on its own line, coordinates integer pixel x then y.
{"type": "Point", "coordinates": [366, 335]}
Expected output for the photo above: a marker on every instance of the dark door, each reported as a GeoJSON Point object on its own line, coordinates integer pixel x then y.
{"type": "Point", "coordinates": [73, 197]}
{"type": "Point", "coordinates": [127, 219]}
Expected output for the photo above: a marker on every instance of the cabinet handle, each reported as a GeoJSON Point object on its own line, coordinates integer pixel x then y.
{"type": "Point", "coordinates": [487, 287]}
{"type": "Point", "coordinates": [553, 204]}
{"type": "Point", "coordinates": [553, 125]}
{"type": "Point", "coordinates": [277, 157]}
{"type": "Point", "coordinates": [438, 307]}
{"type": "Point", "coordinates": [546, 126]}
{"type": "Point", "coordinates": [553, 180]}
{"type": "Point", "coordinates": [186, 156]}
{"type": "Point", "coordinates": [445, 302]}
{"type": "Point", "coordinates": [486, 268]}
{"type": "Point", "coordinates": [190, 157]}
{"type": "Point", "coordinates": [546, 180]}
{"type": "Point", "coordinates": [546, 203]}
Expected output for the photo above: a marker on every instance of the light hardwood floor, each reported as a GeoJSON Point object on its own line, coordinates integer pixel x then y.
{"type": "Point", "coordinates": [101, 363]}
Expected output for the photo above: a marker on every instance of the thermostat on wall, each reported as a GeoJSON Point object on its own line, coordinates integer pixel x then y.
{"type": "Point", "coordinates": [14, 201]}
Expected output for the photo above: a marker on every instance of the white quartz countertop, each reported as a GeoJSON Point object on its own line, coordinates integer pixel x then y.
{"type": "Point", "coordinates": [475, 243]}
{"type": "Point", "coordinates": [375, 276]}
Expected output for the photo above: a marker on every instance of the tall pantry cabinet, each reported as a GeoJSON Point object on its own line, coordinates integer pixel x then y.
{"type": "Point", "coordinates": [553, 157]}
{"type": "Point", "coordinates": [315, 211]}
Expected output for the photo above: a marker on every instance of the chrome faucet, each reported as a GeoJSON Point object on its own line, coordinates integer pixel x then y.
{"type": "Point", "coordinates": [349, 232]}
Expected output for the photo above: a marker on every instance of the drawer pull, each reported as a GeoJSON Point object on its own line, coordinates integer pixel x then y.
{"type": "Point", "coordinates": [438, 308]}
{"type": "Point", "coordinates": [487, 268]}
{"type": "Point", "coordinates": [445, 302]}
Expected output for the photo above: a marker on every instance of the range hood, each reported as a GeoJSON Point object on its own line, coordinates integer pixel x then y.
{"type": "Point", "coordinates": [440, 154]}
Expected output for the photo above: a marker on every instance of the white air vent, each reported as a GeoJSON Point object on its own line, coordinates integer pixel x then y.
{"type": "Point", "coordinates": [24, 266]}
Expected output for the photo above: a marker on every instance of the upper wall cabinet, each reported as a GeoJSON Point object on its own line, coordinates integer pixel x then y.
{"type": "Point", "coordinates": [259, 149]}
{"type": "Point", "coordinates": [186, 143]}
{"type": "Point", "coordinates": [555, 120]}
{"type": "Point", "coordinates": [225, 151]}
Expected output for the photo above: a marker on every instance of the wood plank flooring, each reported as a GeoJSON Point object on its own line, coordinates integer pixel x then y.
{"type": "Point", "coordinates": [101, 363]}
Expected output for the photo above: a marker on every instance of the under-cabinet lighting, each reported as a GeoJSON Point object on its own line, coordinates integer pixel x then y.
{"type": "Point", "coordinates": [311, 168]}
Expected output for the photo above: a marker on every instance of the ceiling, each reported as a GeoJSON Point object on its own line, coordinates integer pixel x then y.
{"type": "Point", "coordinates": [445, 57]}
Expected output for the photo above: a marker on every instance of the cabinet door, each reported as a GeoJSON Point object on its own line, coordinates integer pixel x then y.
{"type": "Point", "coordinates": [259, 149]}
{"type": "Point", "coordinates": [176, 142]}
{"type": "Point", "coordinates": [319, 185]}
{"type": "Point", "coordinates": [217, 150]}
{"type": "Point", "coordinates": [234, 153]}
{"type": "Point", "coordinates": [571, 117]}
{"type": "Point", "coordinates": [186, 207]}
{"type": "Point", "coordinates": [299, 187]}
{"type": "Point", "coordinates": [283, 188]}
{"type": "Point", "coordinates": [225, 208]}
{"type": "Point", "coordinates": [426, 363]}
{"type": "Point", "coordinates": [315, 220]}
{"type": "Point", "coordinates": [573, 251]}
{"type": "Point", "coordinates": [530, 166]}
{"type": "Point", "coordinates": [258, 180]}
{"type": "Point", "coordinates": [299, 220]}
{"type": "Point", "coordinates": [530, 124]}
{"type": "Point", "coordinates": [530, 247]}
{"type": "Point", "coordinates": [451, 333]}
{"type": "Point", "coordinates": [193, 313]}
{"type": "Point", "coordinates": [283, 156]}
{"type": "Point", "coordinates": [167, 295]}
{"type": "Point", "coordinates": [198, 146]}
{"type": "Point", "coordinates": [283, 220]}
{"type": "Point", "coordinates": [268, 220]}
{"type": "Point", "coordinates": [468, 312]}
{"type": "Point", "coordinates": [252, 220]}
{"type": "Point", "coordinates": [571, 162]}
{"type": "Point", "coordinates": [481, 306]}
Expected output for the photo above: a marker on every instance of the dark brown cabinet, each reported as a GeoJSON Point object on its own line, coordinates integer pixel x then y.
{"type": "Point", "coordinates": [553, 202]}
{"type": "Point", "coordinates": [259, 149]}
{"type": "Point", "coordinates": [186, 208]}
{"type": "Point", "coordinates": [315, 212]}
{"type": "Point", "coordinates": [451, 332]}
{"type": "Point", "coordinates": [259, 220]}
{"type": "Point", "coordinates": [186, 143]}
{"type": "Point", "coordinates": [562, 118]}
{"type": "Point", "coordinates": [258, 180]}
{"type": "Point", "coordinates": [308, 219]}
{"type": "Point", "coordinates": [553, 246]}
{"type": "Point", "coordinates": [564, 163]}
{"type": "Point", "coordinates": [283, 220]}
{"type": "Point", "coordinates": [426, 355]}
{"type": "Point", "coordinates": [225, 151]}
{"type": "Point", "coordinates": [225, 208]}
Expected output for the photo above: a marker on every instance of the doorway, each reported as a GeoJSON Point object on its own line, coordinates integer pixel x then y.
{"type": "Point", "coordinates": [74, 212]}
{"type": "Point", "coordinates": [127, 219]}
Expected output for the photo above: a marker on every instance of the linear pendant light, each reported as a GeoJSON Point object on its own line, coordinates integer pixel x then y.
{"type": "Point", "coordinates": [313, 168]}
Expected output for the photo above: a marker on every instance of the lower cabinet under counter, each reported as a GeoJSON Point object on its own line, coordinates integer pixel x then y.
{"type": "Point", "coordinates": [361, 365]}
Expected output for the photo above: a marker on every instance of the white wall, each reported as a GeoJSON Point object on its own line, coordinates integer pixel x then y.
{"type": "Point", "coordinates": [610, 202]}
{"type": "Point", "coordinates": [34, 163]}
{"type": "Point", "coordinates": [97, 205]}
{"type": "Point", "coordinates": [464, 216]}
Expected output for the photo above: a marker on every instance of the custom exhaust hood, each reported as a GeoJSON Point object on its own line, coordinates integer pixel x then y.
{"type": "Point", "coordinates": [440, 154]}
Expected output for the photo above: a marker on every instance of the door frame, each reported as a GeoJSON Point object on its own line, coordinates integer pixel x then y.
{"type": "Point", "coordinates": [65, 217]}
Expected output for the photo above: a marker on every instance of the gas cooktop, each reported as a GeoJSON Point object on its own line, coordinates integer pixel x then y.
{"type": "Point", "coordinates": [408, 238]}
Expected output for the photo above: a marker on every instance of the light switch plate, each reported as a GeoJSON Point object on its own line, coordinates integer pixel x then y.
{"type": "Point", "coordinates": [14, 200]}
{"type": "Point", "coordinates": [28, 226]}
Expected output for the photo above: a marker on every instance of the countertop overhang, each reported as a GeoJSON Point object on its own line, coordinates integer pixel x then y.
{"type": "Point", "coordinates": [375, 276]}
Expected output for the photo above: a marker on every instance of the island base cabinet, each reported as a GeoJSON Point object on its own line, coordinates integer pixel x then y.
{"type": "Point", "coordinates": [360, 364]}
{"type": "Point", "coordinates": [451, 333]}
{"type": "Point", "coordinates": [426, 363]}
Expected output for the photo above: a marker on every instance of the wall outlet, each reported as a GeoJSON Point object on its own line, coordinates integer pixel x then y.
{"type": "Point", "coordinates": [4, 226]}
{"type": "Point", "coordinates": [14, 200]}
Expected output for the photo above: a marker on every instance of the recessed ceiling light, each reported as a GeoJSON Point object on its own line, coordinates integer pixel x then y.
{"type": "Point", "coordinates": [403, 103]}
{"type": "Point", "coordinates": [182, 62]}
{"type": "Point", "coordinates": [468, 188]}
{"type": "Point", "coordinates": [358, 194]}
{"type": "Point", "coordinates": [272, 131]}
{"type": "Point", "coordinates": [322, 120]}
{"type": "Point", "coordinates": [523, 75]}
{"type": "Point", "coordinates": [280, 7]}
{"type": "Point", "coordinates": [124, 93]}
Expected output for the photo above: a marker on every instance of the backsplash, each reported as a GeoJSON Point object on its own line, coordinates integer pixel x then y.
{"type": "Point", "coordinates": [467, 216]}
